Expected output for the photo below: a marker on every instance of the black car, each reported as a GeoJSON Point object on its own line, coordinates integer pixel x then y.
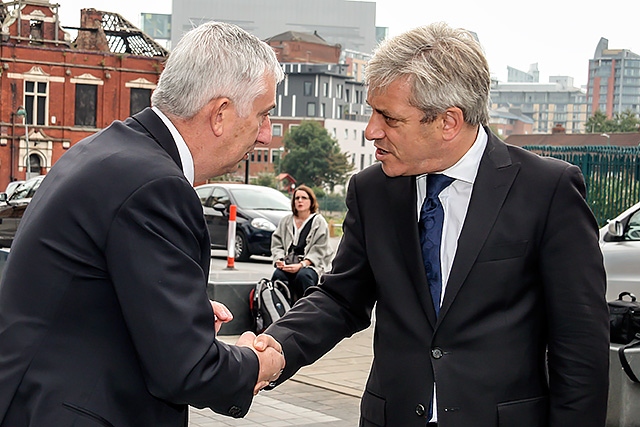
{"type": "Point", "coordinates": [12, 208]}
{"type": "Point", "coordinates": [258, 211]}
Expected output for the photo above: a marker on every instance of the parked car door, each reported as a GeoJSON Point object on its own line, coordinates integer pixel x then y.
{"type": "Point", "coordinates": [620, 243]}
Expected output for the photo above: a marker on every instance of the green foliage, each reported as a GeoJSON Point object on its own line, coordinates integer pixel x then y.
{"type": "Point", "coordinates": [332, 203]}
{"type": "Point", "coordinates": [265, 179]}
{"type": "Point", "coordinates": [627, 121]}
{"type": "Point", "coordinates": [314, 158]}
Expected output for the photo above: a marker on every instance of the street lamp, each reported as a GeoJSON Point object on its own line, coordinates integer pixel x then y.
{"type": "Point", "coordinates": [23, 113]}
{"type": "Point", "coordinates": [608, 138]}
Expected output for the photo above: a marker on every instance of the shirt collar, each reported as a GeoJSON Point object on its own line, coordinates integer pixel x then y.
{"type": "Point", "coordinates": [183, 149]}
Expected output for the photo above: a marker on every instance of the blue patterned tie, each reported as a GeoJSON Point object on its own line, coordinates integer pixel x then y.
{"type": "Point", "coordinates": [431, 219]}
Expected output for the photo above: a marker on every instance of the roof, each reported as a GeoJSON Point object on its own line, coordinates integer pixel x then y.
{"type": "Point", "coordinates": [124, 37]}
{"type": "Point", "coordinates": [631, 139]}
{"type": "Point", "coordinates": [298, 37]}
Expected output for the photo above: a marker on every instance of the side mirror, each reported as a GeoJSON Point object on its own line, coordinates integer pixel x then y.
{"type": "Point", "coordinates": [220, 207]}
{"type": "Point", "coordinates": [615, 229]}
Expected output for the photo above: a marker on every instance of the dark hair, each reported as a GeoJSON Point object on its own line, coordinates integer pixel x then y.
{"type": "Point", "coordinates": [312, 197]}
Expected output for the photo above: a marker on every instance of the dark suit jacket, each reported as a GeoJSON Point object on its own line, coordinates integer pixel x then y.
{"type": "Point", "coordinates": [104, 316]}
{"type": "Point", "coordinates": [527, 276]}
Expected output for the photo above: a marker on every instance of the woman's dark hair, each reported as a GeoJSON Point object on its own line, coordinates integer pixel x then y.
{"type": "Point", "coordinates": [312, 197]}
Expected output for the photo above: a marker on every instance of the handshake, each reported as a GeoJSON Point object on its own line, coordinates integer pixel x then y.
{"type": "Point", "coordinates": [268, 350]}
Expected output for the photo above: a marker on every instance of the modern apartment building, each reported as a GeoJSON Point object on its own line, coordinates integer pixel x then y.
{"type": "Point", "coordinates": [326, 93]}
{"type": "Point", "coordinates": [547, 104]}
{"type": "Point", "coordinates": [614, 81]}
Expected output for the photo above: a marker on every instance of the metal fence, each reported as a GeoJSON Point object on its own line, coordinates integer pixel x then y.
{"type": "Point", "coordinates": [612, 175]}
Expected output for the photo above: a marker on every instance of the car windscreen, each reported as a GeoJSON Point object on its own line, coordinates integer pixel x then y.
{"type": "Point", "coordinates": [267, 199]}
{"type": "Point", "coordinates": [26, 190]}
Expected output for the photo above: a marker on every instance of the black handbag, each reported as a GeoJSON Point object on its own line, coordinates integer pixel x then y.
{"type": "Point", "coordinates": [295, 253]}
{"type": "Point", "coordinates": [624, 319]}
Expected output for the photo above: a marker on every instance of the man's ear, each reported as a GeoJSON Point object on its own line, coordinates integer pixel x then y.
{"type": "Point", "coordinates": [452, 123]}
{"type": "Point", "coordinates": [219, 116]}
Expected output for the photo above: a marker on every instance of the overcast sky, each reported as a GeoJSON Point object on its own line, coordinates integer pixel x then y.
{"type": "Point", "coordinates": [560, 35]}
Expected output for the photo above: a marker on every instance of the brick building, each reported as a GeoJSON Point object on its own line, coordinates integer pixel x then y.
{"type": "Point", "coordinates": [293, 46]}
{"type": "Point", "coordinates": [68, 89]}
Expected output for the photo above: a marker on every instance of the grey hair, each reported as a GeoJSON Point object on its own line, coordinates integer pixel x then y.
{"type": "Point", "coordinates": [211, 61]}
{"type": "Point", "coordinates": [445, 66]}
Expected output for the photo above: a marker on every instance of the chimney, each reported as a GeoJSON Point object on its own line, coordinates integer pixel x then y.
{"type": "Point", "coordinates": [91, 36]}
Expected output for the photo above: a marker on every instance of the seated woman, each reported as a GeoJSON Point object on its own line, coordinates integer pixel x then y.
{"type": "Point", "coordinates": [313, 253]}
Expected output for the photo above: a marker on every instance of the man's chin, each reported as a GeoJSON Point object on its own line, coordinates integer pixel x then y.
{"type": "Point", "coordinates": [390, 171]}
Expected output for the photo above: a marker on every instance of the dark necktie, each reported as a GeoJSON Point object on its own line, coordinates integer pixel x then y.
{"type": "Point", "coordinates": [431, 219]}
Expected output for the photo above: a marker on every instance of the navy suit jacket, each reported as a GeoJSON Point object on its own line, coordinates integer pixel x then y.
{"type": "Point", "coordinates": [104, 315]}
{"type": "Point", "coordinates": [527, 277]}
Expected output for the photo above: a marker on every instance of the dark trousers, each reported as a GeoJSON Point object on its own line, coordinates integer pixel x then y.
{"type": "Point", "coordinates": [297, 282]}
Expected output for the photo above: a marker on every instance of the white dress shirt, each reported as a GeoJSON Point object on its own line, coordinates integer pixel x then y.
{"type": "Point", "coordinates": [455, 202]}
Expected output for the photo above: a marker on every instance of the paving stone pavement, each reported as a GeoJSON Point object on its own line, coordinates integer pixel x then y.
{"type": "Point", "coordinates": [325, 394]}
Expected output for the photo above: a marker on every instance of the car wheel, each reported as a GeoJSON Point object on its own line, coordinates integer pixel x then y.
{"type": "Point", "coordinates": [242, 251]}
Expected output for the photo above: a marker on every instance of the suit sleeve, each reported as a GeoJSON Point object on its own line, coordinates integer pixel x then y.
{"type": "Point", "coordinates": [338, 308]}
{"type": "Point", "coordinates": [155, 253]}
{"type": "Point", "coordinates": [577, 313]}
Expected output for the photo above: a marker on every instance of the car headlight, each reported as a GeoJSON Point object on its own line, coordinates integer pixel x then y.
{"type": "Point", "coordinates": [263, 224]}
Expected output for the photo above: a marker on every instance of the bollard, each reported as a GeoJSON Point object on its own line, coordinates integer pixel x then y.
{"type": "Point", "coordinates": [231, 239]}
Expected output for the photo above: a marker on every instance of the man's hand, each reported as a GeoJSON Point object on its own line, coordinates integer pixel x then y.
{"type": "Point", "coordinates": [221, 314]}
{"type": "Point", "coordinates": [269, 354]}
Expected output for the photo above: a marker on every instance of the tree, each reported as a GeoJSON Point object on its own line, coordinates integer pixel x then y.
{"type": "Point", "coordinates": [597, 123]}
{"type": "Point", "coordinates": [266, 179]}
{"type": "Point", "coordinates": [314, 158]}
{"type": "Point", "coordinates": [627, 121]}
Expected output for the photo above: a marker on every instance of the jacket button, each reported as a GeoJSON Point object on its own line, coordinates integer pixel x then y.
{"type": "Point", "coordinates": [420, 411]}
{"type": "Point", "coordinates": [235, 411]}
{"type": "Point", "coordinates": [436, 353]}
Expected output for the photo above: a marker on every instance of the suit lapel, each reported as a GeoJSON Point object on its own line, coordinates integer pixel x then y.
{"type": "Point", "coordinates": [402, 194]}
{"type": "Point", "coordinates": [159, 132]}
{"type": "Point", "coordinates": [495, 177]}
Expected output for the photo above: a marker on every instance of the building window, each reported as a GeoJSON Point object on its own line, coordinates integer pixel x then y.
{"type": "Point", "coordinates": [276, 154]}
{"type": "Point", "coordinates": [35, 31]}
{"type": "Point", "coordinates": [347, 95]}
{"type": "Point", "coordinates": [361, 161]}
{"type": "Point", "coordinates": [325, 89]}
{"type": "Point", "coordinates": [339, 92]}
{"type": "Point", "coordinates": [86, 105]}
{"type": "Point", "coordinates": [35, 100]}
{"type": "Point", "coordinates": [308, 88]}
{"type": "Point", "coordinates": [276, 129]}
{"type": "Point", "coordinates": [323, 109]}
{"type": "Point", "coordinates": [140, 99]}
{"type": "Point", "coordinates": [311, 109]}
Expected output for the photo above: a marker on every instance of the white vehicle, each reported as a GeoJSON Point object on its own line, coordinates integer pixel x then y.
{"type": "Point", "coordinates": [620, 244]}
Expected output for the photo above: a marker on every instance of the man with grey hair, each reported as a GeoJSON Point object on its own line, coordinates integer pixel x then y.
{"type": "Point", "coordinates": [481, 259]}
{"type": "Point", "coordinates": [104, 314]}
